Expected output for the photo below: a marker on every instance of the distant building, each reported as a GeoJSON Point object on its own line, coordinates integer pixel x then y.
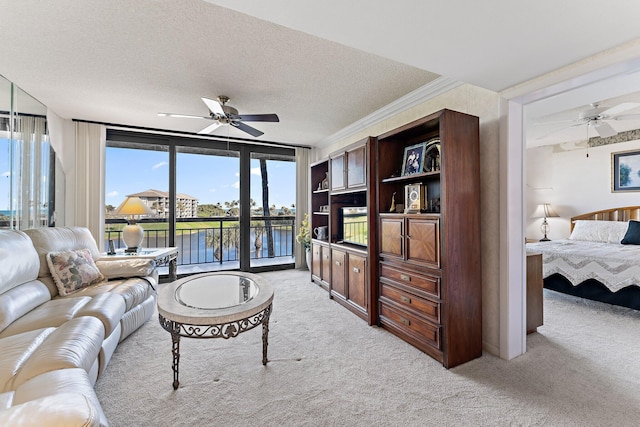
{"type": "Point", "coordinates": [158, 202]}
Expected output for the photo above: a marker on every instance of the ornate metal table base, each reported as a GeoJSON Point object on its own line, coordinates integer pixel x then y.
{"type": "Point", "coordinates": [224, 330]}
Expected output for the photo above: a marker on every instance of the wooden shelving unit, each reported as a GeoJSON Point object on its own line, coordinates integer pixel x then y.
{"type": "Point", "coordinates": [429, 272]}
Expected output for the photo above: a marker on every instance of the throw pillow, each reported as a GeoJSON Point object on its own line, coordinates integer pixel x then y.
{"type": "Point", "coordinates": [73, 270]}
{"type": "Point", "coordinates": [632, 237]}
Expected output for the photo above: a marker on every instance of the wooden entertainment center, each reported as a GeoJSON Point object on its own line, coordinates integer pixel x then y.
{"type": "Point", "coordinates": [419, 273]}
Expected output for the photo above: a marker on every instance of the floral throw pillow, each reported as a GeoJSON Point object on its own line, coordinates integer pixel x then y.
{"type": "Point", "coordinates": [73, 270]}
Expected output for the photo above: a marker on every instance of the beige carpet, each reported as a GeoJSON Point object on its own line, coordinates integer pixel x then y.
{"type": "Point", "coordinates": [328, 368]}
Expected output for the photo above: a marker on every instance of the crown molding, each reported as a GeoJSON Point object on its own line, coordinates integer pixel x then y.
{"type": "Point", "coordinates": [429, 91]}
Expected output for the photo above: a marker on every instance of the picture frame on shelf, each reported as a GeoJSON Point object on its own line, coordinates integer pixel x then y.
{"type": "Point", "coordinates": [432, 155]}
{"type": "Point", "coordinates": [415, 197]}
{"type": "Point", "coordinates": [413, 159]}
{"type": "Point", "coordinates": [625, 166]}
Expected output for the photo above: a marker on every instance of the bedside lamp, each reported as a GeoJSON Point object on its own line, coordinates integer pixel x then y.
{"type": "Point", "coordinates": [545, 211]}
{"type": "Point", "coordinates": [132, 234]}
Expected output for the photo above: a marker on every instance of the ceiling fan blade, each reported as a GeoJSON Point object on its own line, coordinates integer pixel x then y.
{"type": "Point", "coordinates": [627, 117]}
{"type": "Point", "coordinates": [184, 116]}
{"type": "Point", "coordinates": [210, 128]}
{"type": "Point", "coordinates": [604, 129]}
{"type": "Point", "coordinates": [257, 117]}
{"type": "Point", "coordinates": [246, 128]}
{"type": "Point", "coordinates": [619, 109]}
{"type": "Point", "coordinates": [213, 106]}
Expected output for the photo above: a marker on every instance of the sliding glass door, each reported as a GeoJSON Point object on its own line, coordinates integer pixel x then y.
{"type": "Point", "coordinates": [207, 208]}
{"type": "Point", "coordinates": [273, 193]}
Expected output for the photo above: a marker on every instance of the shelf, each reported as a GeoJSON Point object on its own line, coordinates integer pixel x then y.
{"type": "Point", "coordinates": [321, 213]}
{"type": "Point", "coordinates": [396, 214]}
{"type": "Point", "coordinates": [413, 177]}
{"type": "Point", "coordinates": [325, 190]}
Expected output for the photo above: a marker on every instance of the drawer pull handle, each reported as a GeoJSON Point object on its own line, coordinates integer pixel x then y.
{"type": "Point", "coordinates": [405, 321]}
{"type": "Point", "coordinates": [338, 263]}
{"type": "Point", "coordinates": [405, 277]}
{"type": "Point", "coordinates": [326, 257]}
{"type": "Point", "coordinates": [405, 299]}
{"type": "Point", "coordinates": [356, 270]}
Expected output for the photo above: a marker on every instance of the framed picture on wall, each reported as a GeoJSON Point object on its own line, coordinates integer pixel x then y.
{"type": "Point", "coordinates": [413, 159]}
{"type": "Point", "coordinates": [625, 171]}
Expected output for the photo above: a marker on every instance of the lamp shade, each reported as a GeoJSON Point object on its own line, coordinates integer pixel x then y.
{"type": "Point", "coordinates": [133, 206]}
{"type": "Point", "coordinates": [544, 210]}
{"type": "Point", "coordinates": [132, 234]}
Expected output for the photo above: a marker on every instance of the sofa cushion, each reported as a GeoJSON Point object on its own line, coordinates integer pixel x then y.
{"type": "Point", "coordinates": [51, 313]}
{"type": "Point", "coordinates": [73, 270]}
{"type": "Point", "coordinates": [15, 351]}
{"type": "Point", "coordinates": [63, 409]}
{"type": "Point", "coordinates": [54, 239]}
{"type": "Point", "coordinates": [134, 290]}
{"type": "Point", "coordinates": [76, 344]}
{"type": "Point", "coordinates": [134, 267]}
{"type": "Point", "coordinates": [60, 382]}
{"type": "Point", "coordinates": [19, 301]}
{"type": "Point", "coordinates": [20, 260]}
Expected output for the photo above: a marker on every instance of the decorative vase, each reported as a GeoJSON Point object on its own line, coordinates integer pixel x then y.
{"type": "Point", "coordinates": [307, 253]}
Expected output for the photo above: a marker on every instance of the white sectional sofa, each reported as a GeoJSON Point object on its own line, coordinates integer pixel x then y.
{"type": "Point", "coordinates": [55, 341]}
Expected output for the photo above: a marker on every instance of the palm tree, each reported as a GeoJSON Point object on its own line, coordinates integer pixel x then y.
{"type": "Point", "coordinates": [265, 203]}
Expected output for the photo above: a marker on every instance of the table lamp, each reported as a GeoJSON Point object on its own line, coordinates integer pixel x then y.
{"type": "Point", "coordinates": [545, 211]}
{"type": "Point", "coordinates": [132, 233]}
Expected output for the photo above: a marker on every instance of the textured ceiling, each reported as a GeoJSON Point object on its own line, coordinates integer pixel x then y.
{"type": "Point", "coordinates": [320, 66]}
{"type": "Point", "coordinates": [124, 61]}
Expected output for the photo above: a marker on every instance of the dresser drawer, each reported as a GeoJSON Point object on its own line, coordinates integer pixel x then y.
{"type": "Point", "coordinates": [423, 307]}
{"type": "Point", "coordinates": [425, 283]}
{"type": "Point", "coordinates": [411, 324]}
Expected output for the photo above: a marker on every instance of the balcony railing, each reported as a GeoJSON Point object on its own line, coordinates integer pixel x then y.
{"type": "Point", "coordinates": [214, 239]}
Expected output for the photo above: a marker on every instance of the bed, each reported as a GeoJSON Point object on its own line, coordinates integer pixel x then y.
{"type": "Point", "coordinates": [599, 261]}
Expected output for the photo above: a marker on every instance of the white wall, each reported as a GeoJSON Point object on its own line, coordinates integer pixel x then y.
{"type": "Point", "coordinates": [573, 183]}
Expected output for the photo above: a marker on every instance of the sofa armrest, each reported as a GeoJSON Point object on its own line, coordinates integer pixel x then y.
{"type": "Point", "coordinates": [64, 409]}
{"type": "Point", "coordinates": [123, 268]}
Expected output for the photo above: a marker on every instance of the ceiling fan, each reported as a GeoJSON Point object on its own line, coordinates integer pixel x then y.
{"type": "Point", "coordinates": [223, 114]}
{"type": "Point", "coordinates": [599, 117]}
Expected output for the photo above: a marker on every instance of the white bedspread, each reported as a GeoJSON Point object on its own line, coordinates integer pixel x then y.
{"type": "Point", "coordinates": [612, 264]}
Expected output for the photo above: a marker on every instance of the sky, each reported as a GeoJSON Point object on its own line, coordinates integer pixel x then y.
{"type": "Point", "coordinates": [210, 179]}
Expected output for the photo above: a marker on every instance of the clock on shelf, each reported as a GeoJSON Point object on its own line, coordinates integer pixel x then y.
{"type": "Point", "coordinates": [414, 197]}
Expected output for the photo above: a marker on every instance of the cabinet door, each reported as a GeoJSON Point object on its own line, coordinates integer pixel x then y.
{"type": "Point", "coordinates": [357, 268]}
{"type": "Point", "coordinates": [391, 237]}
{"type": "Point", "coordinates": [326, 264]}
{"type": "Point", "coordinates": [338, 284]}
{"type": "Point", "coordinates": [423, 241]}
{"type": "Point", "coordinates": [337, 172]}
{"type": "Point", "coordinates": [356, 168]}
{"type": "Point", "coordinates": [316, 261]}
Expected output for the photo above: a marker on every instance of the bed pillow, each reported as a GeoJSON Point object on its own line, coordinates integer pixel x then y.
{"type": "Point", "coordinates": [632, 236]}
{"type": "Point", "coordinates": [599, 231]}
{"type": "Point", "coordinates": [73, 270]}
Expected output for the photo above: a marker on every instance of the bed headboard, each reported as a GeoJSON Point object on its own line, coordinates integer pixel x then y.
{"type": "Point", "coordinates": [616, 214]}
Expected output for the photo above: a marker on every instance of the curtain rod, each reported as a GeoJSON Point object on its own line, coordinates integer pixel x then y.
{"type": "Point", "coordinates": [205, 137]}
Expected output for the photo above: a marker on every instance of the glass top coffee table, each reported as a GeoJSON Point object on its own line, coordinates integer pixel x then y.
{"type": "Point", "coordinates": [214, 305]}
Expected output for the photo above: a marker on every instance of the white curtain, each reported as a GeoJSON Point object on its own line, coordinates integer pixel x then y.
{"type": "Point", "coordinates": [90, 146]}
{"type": "Point", "coordinates": [29, 173]}
{"type": "Point", "coordinates": [302, 197]}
